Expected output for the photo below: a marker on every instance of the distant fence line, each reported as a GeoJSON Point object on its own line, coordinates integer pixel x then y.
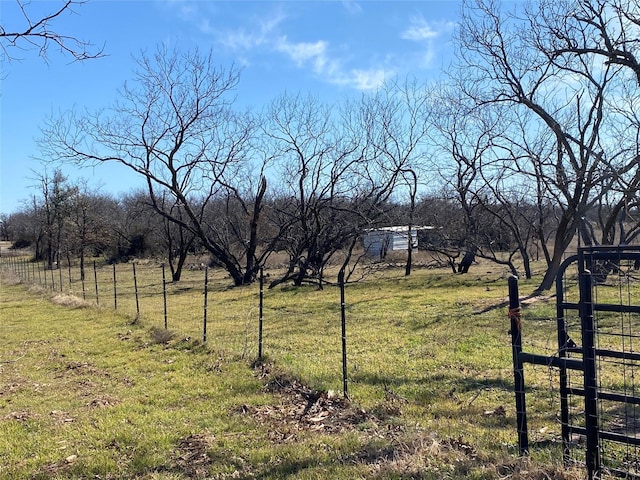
{"type": "Point", "coordinates": [123, 288]}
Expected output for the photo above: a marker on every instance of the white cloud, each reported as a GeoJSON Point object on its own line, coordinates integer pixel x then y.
{"type": "Point", "coordinates": [418, 30]}
{"type": "Point", "coordinates": [427, 33]}
{"type": "Point", "coordinates": [351, 6]}
{"type": "Point", "coordinates": [264, 34]}
{"type": "Point", "coordinates": [186, 10]}
{"type": "Point", "coordinates": [259, 34]}
{"type": "Point", "coordinates": [316, 56]}
{"type": "Point", "coordinates": [369, 79]}
{"type": "Point", "coordinates": [302, 52]}
{"type": "Point", "coordinates": [240, 40]}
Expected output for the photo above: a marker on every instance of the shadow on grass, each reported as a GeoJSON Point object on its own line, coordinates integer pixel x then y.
{"type": "Point", "coordinates": [462, 383]}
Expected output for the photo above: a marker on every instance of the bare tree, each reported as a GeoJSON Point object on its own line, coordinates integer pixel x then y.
{"type": "Point", "coordinates": [411, 180]}
{"type": "Point", "coordinates": [54, 207]}
{"type": "Point", "coordinates": [88, 220]}
{"type": "Point", "coordinates": [4, 227]}
{"type": "Point", "coordinates": [176, 238]}
{"type": "Point", "coordinates": [335, 182]}
{"type": "Point", "coordinates": [609, 29]}
{"type": "Point", "coordinates": [313, 161]}
{"type": "Point", "coordinates": [398, 130]}
{"type": "Point", "coordinates": [37, 30]}
{"type": "Point", "coordinates": [24, 228]}
{"type": "Point", "coordinates": [175, 127]}
{"type": "Point", "coordinates": [465, 142]}
{"type": "Point", "coordinates": [506, 60]}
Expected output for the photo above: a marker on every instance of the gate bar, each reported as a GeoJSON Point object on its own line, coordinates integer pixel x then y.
{"type": "Point", "coordinates": [590, 382]}
{"type": "Point", "coordinates": [560, 362]}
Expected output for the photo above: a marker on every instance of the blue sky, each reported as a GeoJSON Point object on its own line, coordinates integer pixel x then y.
{"type": "Point", "coordinates": [333, 49]}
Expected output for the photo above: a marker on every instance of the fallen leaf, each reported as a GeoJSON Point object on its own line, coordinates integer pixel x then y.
{"type": "Point", "coordinates": [320, 417]}
{"type": "Point", "coordinates": [497, 412]}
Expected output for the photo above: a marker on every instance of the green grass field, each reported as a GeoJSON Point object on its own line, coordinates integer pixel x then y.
{"type": "Point", "coordinates": [91, 392]}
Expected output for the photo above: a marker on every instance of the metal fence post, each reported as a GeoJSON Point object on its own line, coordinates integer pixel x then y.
{"type": "Point", "coordinates": [260, 316]}
{"type": "Point", "coordinates": [206, 294]}
{"type": "Point", "coordinates": [343, 321]}
{"type": "Point", "coordinates": [164, 297]}
{"type": "Point", "coordinates": [135, 287]}
{"type": "Point", "coordinates": [115, 289]}
{"type": "Point", "coordinates": [69, 271]}
{"type": "Point", "coordinates": [518, 367]}
{"type": "Point", "coordinates": [84, 290]}
{"type": "Point", "coordinates": [95, 278]}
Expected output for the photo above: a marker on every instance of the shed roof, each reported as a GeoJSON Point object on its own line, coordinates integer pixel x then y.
{"type": "Point", "coordinates": [400, 228]}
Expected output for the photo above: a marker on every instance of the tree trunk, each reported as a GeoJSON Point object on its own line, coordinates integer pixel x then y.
{"type": "Point", "coordinates": [526, 263]}
{"type": "Point", "coordinates": [550, 275]}
{"type": "Point", "coordinates": [465, 263]}
{"type": "Point", "coordinates": [177, 273]}
{"type": "Point", "coordinates": [564, 235]}
{"type": "Point", "coordinates": [407, 267]}
{"type": "Point", "coordinates": [252, 268]}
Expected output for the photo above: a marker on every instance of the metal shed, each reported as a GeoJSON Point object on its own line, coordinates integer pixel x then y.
{"type": "Point", "coordinates": [379, 241]}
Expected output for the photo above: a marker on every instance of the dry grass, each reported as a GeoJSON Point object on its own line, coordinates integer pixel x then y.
{"type": "Point", "coordinates": [429, 380]}
{"type": "Point", "coordinates": [70, 301]}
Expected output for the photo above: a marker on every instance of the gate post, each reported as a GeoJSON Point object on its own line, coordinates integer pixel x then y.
{"type": "Point", "coordinates": [564, 343]}
{"type": "Point", "coordinates": [518, 368]}
{"type": "Point", "coordinates": [590, 382]}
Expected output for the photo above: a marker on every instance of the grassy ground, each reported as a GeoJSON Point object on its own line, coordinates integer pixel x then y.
{"type": "Point", "coordinates": [89, 392]}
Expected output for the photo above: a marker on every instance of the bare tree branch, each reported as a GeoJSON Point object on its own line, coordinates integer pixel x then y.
{"type": "Point", "coordinates": [39, 33]}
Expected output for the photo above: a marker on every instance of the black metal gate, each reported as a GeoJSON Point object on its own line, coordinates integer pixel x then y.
{"type": "Point", "coordinates": [598, 359]}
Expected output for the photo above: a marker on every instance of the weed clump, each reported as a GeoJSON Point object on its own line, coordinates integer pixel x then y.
{"type": "Point", "coordinates": [161, 336]}
{"type": "Point", "coordinates": [70, 301]}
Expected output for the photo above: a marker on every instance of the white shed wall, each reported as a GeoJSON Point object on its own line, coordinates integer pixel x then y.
{"type": "Point", "coordinates": [378, 242]}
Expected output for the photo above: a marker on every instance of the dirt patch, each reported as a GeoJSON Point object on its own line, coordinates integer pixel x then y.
{"type": "Point", "coordinates": [408, 458]}
{"type": "Point", "coordinates": [12, 388]}
{"type": "Point", "coordinates": [103, 401]}
{"type": "Point", "coordinates": [300, 408]}
{"type": "Point", "coordinates": [21, 416]}
{"type": "Point", "coordinates": [485, 306]}
{"type": "Point", "coordinates": [60, 468]}
{"type": "Point", "coordinates": [192, 458]}
{"type": "Point", "coordinates": [83, 369]}
{"type": "Point", "coordinates": [60, 416]}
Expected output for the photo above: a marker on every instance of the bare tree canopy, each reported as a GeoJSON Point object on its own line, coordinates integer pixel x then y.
{"type": "Point", "coordinates": [612, 28]}
{"type": "Point", "coordinates": [175, 127]}
{"type": "Point", "coordinates": [37, 30]}
{"type": "Point", "coordinates": [569, 114]}
{"type": "Point", "coordinates": [337, 169]}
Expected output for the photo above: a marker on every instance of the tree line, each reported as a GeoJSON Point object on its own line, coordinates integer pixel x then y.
{"type": "Point", "coordinates": [530, 140]}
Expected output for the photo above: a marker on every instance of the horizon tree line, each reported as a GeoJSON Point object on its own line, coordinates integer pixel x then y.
{"type": "Point", "coordinates": [530, 140]}
{"type": "Point", "coordinates": [88, 224]}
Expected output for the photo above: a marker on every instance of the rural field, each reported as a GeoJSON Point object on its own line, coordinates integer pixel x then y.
{"type": "Point", "coordinates": [101, 389]}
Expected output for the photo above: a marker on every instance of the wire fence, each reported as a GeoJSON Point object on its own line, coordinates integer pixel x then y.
{"type": "Point", "coordinates": [141, 290]}
{"type": "Point", "coordinates": [251, 322]}
{"type": "Point", "coordinates": [358, 341]}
